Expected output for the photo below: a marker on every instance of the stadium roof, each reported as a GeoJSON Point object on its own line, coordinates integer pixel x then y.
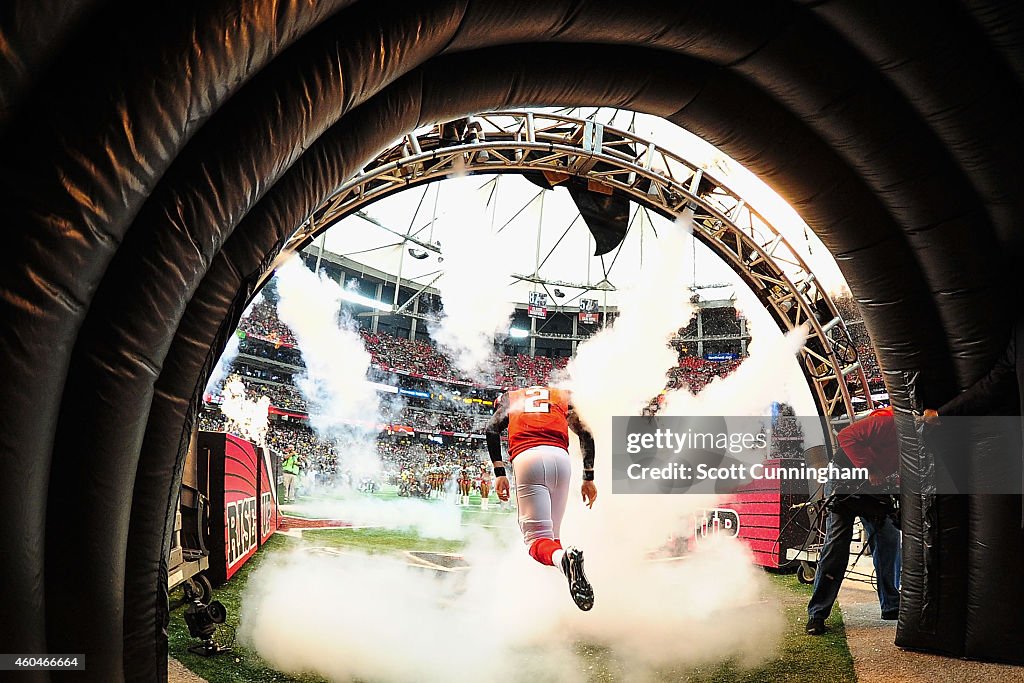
{"type": "Point", "coordinates": [540, 234]}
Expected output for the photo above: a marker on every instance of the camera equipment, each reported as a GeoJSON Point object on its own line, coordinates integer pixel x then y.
{"type": "Point", "coordinates": [202, 623]}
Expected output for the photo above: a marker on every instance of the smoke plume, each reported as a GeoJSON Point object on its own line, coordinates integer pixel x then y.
{"type": "Point", "coordinates": [404, 514]}
{"type": "Point", "coordinates": [342, 405]}
{"type": "Point", "coordinates": [509, 618]}
{"type": "Point", "coordinates": [246, 418]}
{"type": "Point", "coordinates": [473, 292]}
{"type": "Point", "coordinates": [220, 371]}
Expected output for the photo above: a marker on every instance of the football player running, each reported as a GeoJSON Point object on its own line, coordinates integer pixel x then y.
{"type": "Point", "coordinates": [538, 420]}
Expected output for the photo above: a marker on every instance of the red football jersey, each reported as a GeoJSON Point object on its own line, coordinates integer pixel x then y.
{"type": "Point", "coordinates": [537, 416]}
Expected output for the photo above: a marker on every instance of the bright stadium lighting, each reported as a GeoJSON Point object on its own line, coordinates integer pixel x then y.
{"type": "Point", "coordinates": [518, 333]}
{"type": "Point", "coordinates": [354, 298]}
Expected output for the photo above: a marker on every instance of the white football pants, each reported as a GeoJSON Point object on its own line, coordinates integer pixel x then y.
{"type": "Point", "coordinates": [542, 488]}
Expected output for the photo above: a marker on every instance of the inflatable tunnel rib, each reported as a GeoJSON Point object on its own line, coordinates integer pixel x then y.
{"type": "Point", "coordinates": [156, 156]}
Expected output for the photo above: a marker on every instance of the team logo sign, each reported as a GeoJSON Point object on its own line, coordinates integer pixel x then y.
{"type": "Point", "coordinates": [242, 532]}
{"type": "Point", "coordinates": [716, 521]}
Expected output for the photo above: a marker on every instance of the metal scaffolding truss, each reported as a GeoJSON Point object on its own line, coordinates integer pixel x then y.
{"type": "Point", "coordinates": [615, 160]}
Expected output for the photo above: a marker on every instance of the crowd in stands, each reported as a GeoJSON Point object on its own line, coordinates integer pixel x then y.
{"type": "Point", "coordinates": [692, 372]}
{"type": "Point", "coordinates": [416, 356]}
{"type": "Point", "coordinates": [432, 420]}
{"type": "Point", "coordinates": [319, 456]}
{"type": "Point", "coordinates": [720, 322]}
{"type": "Point", "coordinates": [870, 365]}
{"type": "Point", "coordinates": [316, 454]}
{"type": "Point", "coordinates": [289, 398]}
{"type": "Point", "coordinates": [520, 370]}
{"type": "Point", "coordinates": [283, 396]}
{"type": "Point", "coordinates": [262, 321]}
{"type": "Point", "coordinates": [695, 372]}
{"type": "Point", "coordinates": [281, 436]}
{"type": "Point", "coordinates": [255, 346]}
{"type": "Point", "coordinates": [211, 420]}
{"type": "Point", "coordinates": [847, 307]}
{"type": "Point", "coordinates": [524, 371]}
{"type": "Point", "coordinates": [388, 351]}
{"type": "Point", "coordinates": [512, 371]}
{"type": "Point", "coordinates": [420, 357]}
{"type": "Point", "coordinates": [850, 313]}
{"type": "Point", "coordinates": [787, 434]}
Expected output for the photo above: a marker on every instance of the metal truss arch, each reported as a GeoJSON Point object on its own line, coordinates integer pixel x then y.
{"type": "Point", "coordinates": [620, 161]}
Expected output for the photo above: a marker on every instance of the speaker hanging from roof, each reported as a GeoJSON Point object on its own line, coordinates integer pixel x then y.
{"type": "Point", "coordinates": [605, 212]}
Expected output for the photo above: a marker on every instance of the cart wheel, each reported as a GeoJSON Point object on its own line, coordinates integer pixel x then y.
{"type": "Point", "coordinates": [805, 573]}
{"type": "Point", "coordinates": [203, 589]}
{"type": "Point", "coordinates": [189, 591]}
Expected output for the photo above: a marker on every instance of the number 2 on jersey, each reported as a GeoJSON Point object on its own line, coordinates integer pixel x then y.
{"type": "Point", "coordinates": [537, 401]}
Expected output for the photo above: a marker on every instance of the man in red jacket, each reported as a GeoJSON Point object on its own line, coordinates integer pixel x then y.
{"type": "Point", "coordinates": [870, 443]}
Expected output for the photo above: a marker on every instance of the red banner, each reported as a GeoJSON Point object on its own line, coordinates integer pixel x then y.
{"type": "Point", "coordinates": [238, 480]}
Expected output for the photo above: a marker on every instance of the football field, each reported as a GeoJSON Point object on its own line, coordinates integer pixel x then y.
{"type": "Point", "coordinates": [799, 658]}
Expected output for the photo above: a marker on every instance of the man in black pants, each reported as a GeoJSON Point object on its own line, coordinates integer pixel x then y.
{"type": "Point", "coordinates": [870, 443]}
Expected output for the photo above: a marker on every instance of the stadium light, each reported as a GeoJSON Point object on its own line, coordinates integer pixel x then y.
{"type": "Point", "coordinates": [354, 298]}
{"type": "Point", "coordinates": [518, 333]}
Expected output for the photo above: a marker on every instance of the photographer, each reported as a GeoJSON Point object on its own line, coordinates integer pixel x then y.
{"type": "Point", "coordinates": [870, 443]}
{"type": "Point", "coordinates": [291, 474]}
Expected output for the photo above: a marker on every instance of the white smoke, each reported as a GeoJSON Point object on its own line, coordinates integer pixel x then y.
{"type": "Point", "coordinates": [473, 292]}
{"type": "Point", "coordinates": [714, 592]}
{"type": "Point", "coordinates": [622, 367]}
{"type": "Point", "coordinates": [509, 618]}
{"type": "Point", "coordinates": [787, 379]}
{"type": "Point", "coordinates": [343, 405]}
{"type": "Point", "coordinates": [246, 418]}
{"type": "Point", "coordinates": [764, 377]}
{"type": "Point", "coordinates": [404, 514]}
{"type": "Point", "coordinates": [220, 371]}
{"type": "Point", "coordinates": [382, 620]}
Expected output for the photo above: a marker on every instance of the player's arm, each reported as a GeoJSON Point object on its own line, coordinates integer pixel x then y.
{"type": "Point", "coordinates": [492, 432]}
{"type": "Point", "coordinates": [589, 489]}
{"type": "Point", "coordinates": [586, 443]}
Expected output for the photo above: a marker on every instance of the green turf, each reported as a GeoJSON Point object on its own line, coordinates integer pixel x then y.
{"type": "Point", "coordinates": [800, 658]}
{"type": "Point", "coordinates": [389, 492]}
{"type": "Point", "coordinates": [378, 540]}
{"type": "Point", "coordinates": [242, 665]}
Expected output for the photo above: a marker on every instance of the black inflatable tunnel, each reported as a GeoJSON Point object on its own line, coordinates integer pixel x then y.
{"type": "Point", "coordinates": [155, 156]}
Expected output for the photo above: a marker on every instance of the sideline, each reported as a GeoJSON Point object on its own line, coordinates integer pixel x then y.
{"type": "Point", "coordinates": [876, 659]}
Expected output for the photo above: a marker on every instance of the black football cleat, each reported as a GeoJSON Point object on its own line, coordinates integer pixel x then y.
{"type": "Point", "coordinates": [815, 627]}
{"type": "Point", "coordinates": [579, 588]}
